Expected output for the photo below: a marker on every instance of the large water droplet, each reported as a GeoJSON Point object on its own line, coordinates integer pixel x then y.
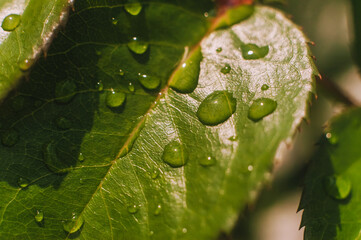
{"type": "Point", "coordinates": [39, 216]}
{"type": "Point", "coordinates": [132, 209]}
{"type": "Point", "coordinates": [63, 123]}
{"type": "Point", "coordinates": [149, 82]}
{"type": "Point", "coordinates": [226, 69]}
{"type": "Point", "coordinates": [137, 46]}
{"type": "Point", "coordinates": [216, 108]}
{"type": "Point", "coordinates": [11, 22]}
{"type": "Point", "coordinates": [133, 8]}
{"type": "Point", "coordinates": [25, 64]}
{"type": "Point", "coordinates": [52, 160]}
{"type": "Point", "coordinates": [65, 91]}
{"type": "Point", "coordinates": [74, 224]}
{"type": "Point", "coordinates": [185, 79]}
{"type": "Point", "coordinates": [252, 51]}
{"type": "Point", "coordinates": [17, 103]}
{"type": "Point", "coordinates": [264, 87]}
{"type": "Point", "coordinates": [260, 108]}
{"type": "Point", "coordinates": [115, 98]}
{"type": "Point", "coordinates": [337, 187]}
{"type": "Point", "coordinates": [158, 209]}
{"type": "Point", "coordinates": [207, 161]}
{"type": "Point", "coordinates": [175, 155]}
{"type": "Point", "coordinates": [9, 138]}
{"type": "Point", "coordinates": [23, 182]}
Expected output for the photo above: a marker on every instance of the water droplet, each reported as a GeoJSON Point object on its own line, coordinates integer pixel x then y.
{"type": "Point", "coordinates": [131, 88]}
{"type": "Point", "coordinates": [121, 72]}
{"type": "Point", "coordinates": [98, 52]}
{"type": "Point", "coordinates": [23, 182]}
{"type": "Point", "coordinates": [206, 14]}
{"type": "Point", "coordinates": [137, 46]}
{"type": "Point", "coordinates": [264, 87]}
{"type": "Point", "coordinates": [81, 181]}
{"type": "Point", "coordinates": [17, 103]}
{"type": "Point", "coordinates": [63, 123]}
{"type": "Point", "coordinates": [132, 209]}
{"type": "Point", "coordinates": [115, 99]}
{"type": "Point", "coordinates": [148, 82]}
{"type": "Point", "coordinates": [9, 138]}
{"type": "Point", "coordinates": [25, 64]}
{"type": "Point", "coordinates": [151, 233]}
{"type": "Point", "coordinates": [39, 216]}
{"type": "Point", "coordinates": [11, 22]}
{"type": "Point", "coordinates": [114, 21]}
{"type": "Point", "coordinates": [100, 86]}
{"type": "Point", "coordinates": [52, 160]}
{"type": "Point", "coordinates": [207, 161]}
{"type": "Point", "coordinates": [337, 187]}
{"type": "Point", "coordinates": [250, 168]}
{"type": "Point", "coordinates": [216, 108]}
{"type": "Point", "coordinates": [74, 224]}
{"type": "Point", "coordinates": [155, 174]}
{"type": "Point", "coordinates": [157, 210]}
{"type": "Point", "coordinates": [184, 230]}
{"type": "Point", "coordinates": [185, 79]}
{"type": "Point", "coordinates": [252, 51]}
{"type": "Point", "coordinates": [261, 108]}
{"type": "Point", "coordinates": [226, 69]}
{"type": "Point", "coordinates": [81, 157]}
{"type": "Point", "coordinates": [218, 50]}
{"type": "Point", "coordinates": [332, 138]}
{"type": "Point", "coordinates": [65, 91]}
{"type": "Point", "coordinates": [133, 8]}
{"type": "Point", "coordinates": [175, 155]}
{"type": "Point", "coordinates": [232, 138]}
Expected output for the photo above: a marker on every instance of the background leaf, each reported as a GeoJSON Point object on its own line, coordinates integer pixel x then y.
{"type": "Point", "coordinates": [63, 146]}
{"type": "Point", "coordinates": [356, 7]}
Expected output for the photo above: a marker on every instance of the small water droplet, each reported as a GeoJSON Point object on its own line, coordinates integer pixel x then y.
{"type": "Point", "coordinates": [158, 209]}
{"type": "Point", "coordinates": [252, 51]}
{"type": "Point", "coordinates": [232, 138]}
{"type": "Point", "coordinates": [218, 50]}
{"type": "Point", "coordinates": [338, 187]}
{"type": "Point", "coordinates": [11, 22]}
{"type": "Point", "coordinates": [63, 123]}
{"type": "Point", "coordinates": [65, 91]}
{"type": "Point", "coordinates": [133, 8]}
{"type": "Point", "coordinates": [52, 160]}
{"type": "Point", "coordinates": [261, 108]}
{"type": "Point", "coordinates": [250, 168]}
{"type": "Point", "coordinates": [81, 157]}
{"type": "Point", "coordinates": [148, 82]}
{"type": "Point", "coordinates": [114, 21]}
{"type": "Point", "coordinates": [226, 69]}
{"type": "Point", "coordinates": [184, 230]}
{"type": "Point", "coordinates": [207, 161]}
{"type": "Point", "coordinates": [81, 181]}
{"type": "Point", "coordinates": [131, 88]}
{"type": "Point", "coordinates": [137, 46]}
{"type": "Point", "coordinates": [74, 224]}
{"type": "Point", "coordinates": [332, 138]}
{"type": "Point", "coordinates": [98, 52]}
{"type": "Point", "coordinates": [155, 174]}
{"type": "Point", "coordinates": [115, 99]}
{"type": "Point", "coordinates": [175, 155]}
{"type": "Point", "coordinates": [9, 138]}
{"type": "Point", "coordinates": [25, 64]}
{"type": "Point", "coordinates": [151, 233]}
{"type": "Point", "coordinates": [185, 79]}
{"type": "Point", "coordinates": [17, 103]}
{"type": "Point", "coordinates": [23, 182]}
{"type": "Point", "coordinates": [100, 86]}
{"type": "Point", "coordinates": [206, 14]}
{"type": "Point", "coordinates": [121, 72]}
{"type": "Point", "coordinates": [39, 216]}
{"type": "Point", "coordinates": [264, 87]}
{"type": "Point", "coordinates": [132, 209]}
{"type": "Point", "coordinates": [216, 108]}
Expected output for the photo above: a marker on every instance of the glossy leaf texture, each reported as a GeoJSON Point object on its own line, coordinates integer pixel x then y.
{"type": "Point", "coordinates": [331, 196]}
{"type": "Point", "coordinates": [27, 28]}
{"type": "Point", "coordinates": [96, 146]}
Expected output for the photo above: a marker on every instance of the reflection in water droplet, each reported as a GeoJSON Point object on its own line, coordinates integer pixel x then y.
{"type": "Point", "coordinates": [25, 64]}
{"type": "Point", "coordinates": [252, 51]}
{"type": "Point", "coordinates": [115, 98]}
{"type": "Point", "coordinates": [175, 155]}
{"type": "Point", "coordinates": [261, 108]}
{"type": "Point", "coordinates": [23, 182]}
{"type": "Point", "coordinates": [17, 103]}
{"type": "Point", "coordinates": [39, 216]}
{"type": "Point", "coordinates": [155, 174]}
{"type": "Point", "coordinates": [216, 108]}
{"type": "Point", "coordinates": [131, 88]}
{"type": "Point", "coordinates": [185, 79]}
{"type": "Point", "coordinates": [226, 69]}
{"type": "Point", "coordinates": [149, 82]}
{"type": "Point", "coordinates": [63, 123]}
{"type": "Point", "coordinates": [137, 46]}
{"type": "Point", "coordinates": [9, 138]}
{"type": "Point", "coordinates": [158, 210]}
{"type": "Point", "coordinates": [81, 157]}
{"type": "Point", "coordinates": [132, 209]}
{"type": "Point", "coordinates": [65, 91]}
{"type": "Point", "coordinates": [218, 50]}
{"type": "Point", "coordinates": [338, 187]}
{"type": "Point", "coordinates": [52, 161]}
{"type": "Point", "coordinates": [207, 161]}
{"type": "Point", "coordinates": [74, 224]}
{"type": "Point", "coordinates": [264, 87]}
{"type": "Point", "coordinates": [100, 86]}
{"type": "Point", "coordinates": [11, 22]}
{"type": "Point", "coordinates": [133, 8]}
{"type": "Point", "coordinates": [332, 138]}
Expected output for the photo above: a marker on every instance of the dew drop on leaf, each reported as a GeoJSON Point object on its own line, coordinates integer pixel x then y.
{"type": "Point", "coordinates": [100, 86]}
{"type": "Point", "coordinates": [216, 108]}
{"type": "Point", "coordinates": [232, 138]}
{"type": "Point", "coordinates": [114, 21]}
{"type": "Point", "coordinates": [23, 182]}
{"type": "Point", "coordinates": [252, 51]}
{"type": "Point", "coordinates": [132, 209]}
{"type": "Point", "coordinates": [11, 22]}
{"type": "Point", "coordinates": [158, 209]}
{"type": "Point", "coordinates": [185, 79]}
{"type": "Point", "coordinates": [148, 82]}
{"type": "Point", "coordinates": [337, 187]}
{"type": "Point", "coordinates": [260, 108]}
{"type": "Point", "coordinates": [39, 216]}
{"type": "Point", "coordinates": [131, 88]}
{"type": "Point", "coordinates": [63, 123]}
{"type": "Point", "coordinates": [81, 157]}
{"type": "Point", "coordinates": [121, 72]}
{"type": "Point", "coordinates": [137, 46]}
{"type": "Point", "coordinates": [226, 69]}
{"type": "Point", "coordinates": [115, 98]}
{"type": "Point", "coordinates": [155, 174]}
{"type": "Point", "coordinates": [25, 64]}
{"type": "Point", "coordinates": [74, 224]}
{"type": "Point", "coordinates": [175, 155]}
{"type": "Point", "coordinates": [52, 160]}
{"type": "Point", "coordinates": [332, 138]}
{"type": "Point", "coordinates": [9, 138]}
{"type": "Point", "coordinates": [207, 161]}
{"type": "Point", "coordinates": [218, 50]}
{"type": "Point", "coordinates": [133, 8]}
{"type": "Point", "coordinates": [65, 91]}
{"type": "Point", "coordinates": [264, 87]}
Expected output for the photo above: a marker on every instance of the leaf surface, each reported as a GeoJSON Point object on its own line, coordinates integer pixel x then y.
{"type": "Point", "coordinates": [356, 7]}
{"type": "Point", "coordinates": [106, 164]}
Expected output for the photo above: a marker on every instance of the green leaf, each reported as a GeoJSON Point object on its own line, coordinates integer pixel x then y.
{"type": "Point", "coordinates": [356, 9]}
{"type": "Point", "coordinates": [331, 194]}
{"type": "Point", "coordinates": [103, 171]}
{"type": "Point", "coordinates": [27, 28]}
